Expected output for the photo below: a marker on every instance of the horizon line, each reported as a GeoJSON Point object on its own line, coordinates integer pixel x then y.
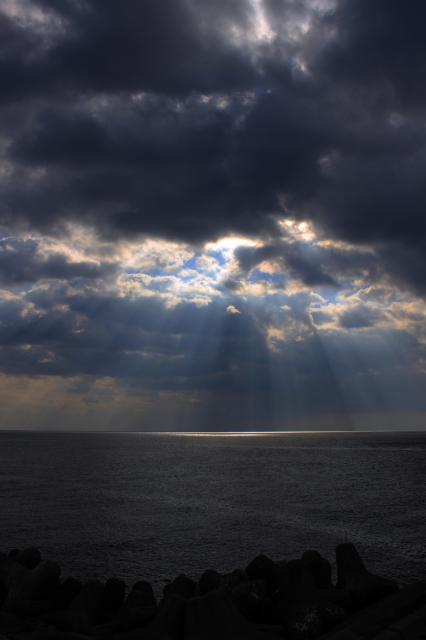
{"type": "Point", "coordinates": [216, 433]}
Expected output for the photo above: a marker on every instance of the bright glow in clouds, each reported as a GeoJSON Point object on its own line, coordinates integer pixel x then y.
{"type": "Point", "coordinates": [232, 309]}
{"type": "Point", "coordinates": [241, 334]}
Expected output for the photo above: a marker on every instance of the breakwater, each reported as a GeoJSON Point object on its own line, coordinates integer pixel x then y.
{"type": "Point", "coordinates": [293, 599]}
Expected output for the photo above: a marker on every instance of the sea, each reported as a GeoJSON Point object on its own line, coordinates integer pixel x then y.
{"type": "Point", "coordinates": [150, 506]}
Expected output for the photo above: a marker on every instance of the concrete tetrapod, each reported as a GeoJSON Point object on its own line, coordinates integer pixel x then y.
{"type": "Point", "coordinates": [348, 561]}
{"type": "Point", "coordinates": [24, 585]}
{"type": "Point", "coordinates": [11, 623]}
{"type": "Point", "coordinates": [320, 568]}
{"type": "Point", "coordinates": [212, 579]}
{"type": "Point", "coordinates": [137, 618]}
{"type": "Point", "coordinates": [84, 611]}
{"type": "Point", "coordinates": [299, 609]}
{"type": "Point", "coordinates": [112, 598]}
{"type": "Point", "coordinates": [62, 597]}
{"type": "Point", "coordinates": [263, 568]}
{"type": "Point", "coordinates": [180, 586]}
{"type": "Point", "coordinates": [339, 597]}
{"type": "Point", "coordinates": [136, 600]}
{"type": "Point", "coordinates": [134, 614]}
{"type": "Point", "coordinates": [401, 616]}
{"type": "Point", "coordinates": [209, 581]}
{"type": "Point", "coordinates": [215, 617]}
{"type": "Point", "coordinates": [66, 593]}
{"type": "Point", "coordinates": [28, 558]}
{"type": "Point", "coordinates": [293, 600]}
{"type": "Point", "coordinates": [3, 593]}
{"type": "Point", "coordinates": [167, 624]}
{"type": "Point", "coordinates": [145, 587]}
{"type": "Point", "coordinates": [10, 571]}
{"type": "Point", "coordinates": [364, 587]}
{"type": "Point", "coordinates": [253, 601]}
{"type": "Point", "coordinates": [134, 619]}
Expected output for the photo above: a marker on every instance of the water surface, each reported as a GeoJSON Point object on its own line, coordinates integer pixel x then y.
{"type": "Point", "coordinates": [150, 506]}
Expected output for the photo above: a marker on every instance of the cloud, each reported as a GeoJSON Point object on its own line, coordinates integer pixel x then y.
{"type": "Point", "coordinates": [366, 56]}
{"type": "Point", "coordinates": [359, 317]}
{"type": "Point", "coordinates": [23, 261]}
{"type": "Point", "coordinates": [231, 309]}
{"type": "Point", "coordinates": [232, 285]}
{"type": "Point", "coordinates": [98, 40]}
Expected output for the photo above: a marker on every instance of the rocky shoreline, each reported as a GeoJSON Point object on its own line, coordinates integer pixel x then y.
{"type": "Point", "coordinates": [295, 600]}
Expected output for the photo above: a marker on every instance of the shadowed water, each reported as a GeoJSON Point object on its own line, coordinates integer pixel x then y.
{"type": "Point", "coordinates": [151, 506]}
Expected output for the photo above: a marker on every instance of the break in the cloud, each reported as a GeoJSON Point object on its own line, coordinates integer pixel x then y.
{"type": "Point", "coordinates": [212, 215]}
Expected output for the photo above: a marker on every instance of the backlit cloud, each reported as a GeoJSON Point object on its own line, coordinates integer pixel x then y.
{"type": "Point", "coordinates": [232, 309]}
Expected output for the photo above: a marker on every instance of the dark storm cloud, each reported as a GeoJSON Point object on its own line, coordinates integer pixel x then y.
{"type": "Point", "coordinates": [292, 259]}
{"type": "Point", "coordinates": [232, 285]}
{"type": "Point", "coordinates": [313, 265]}
{"type": "Point", "coordinates": [359, 317]}
{"type": "Point", "coordinates": [169, 118]}
{"type": "Point", "coordinates": [102, 46]}
{"type": "Point", "coordinates": [381, 41]}
{"type": "Point", "coordinates": [149, 131]}
{"type": "Point", "coordinates": [20, 263]}
{"type": "Point", "coordinates": [19, 77]}
{"type": "Point", "coordinates": [406, 264]}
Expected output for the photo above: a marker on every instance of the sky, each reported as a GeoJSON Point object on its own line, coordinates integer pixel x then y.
{"type": "Point", "coordinates": [212, 215]}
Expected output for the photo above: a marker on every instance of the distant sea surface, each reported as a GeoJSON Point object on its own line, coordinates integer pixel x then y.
{"type": "Point", "coordinates": [150, 506]}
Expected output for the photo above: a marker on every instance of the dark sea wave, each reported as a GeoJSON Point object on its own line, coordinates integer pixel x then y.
{"type": "Point", "coordinates": [150, 506]}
